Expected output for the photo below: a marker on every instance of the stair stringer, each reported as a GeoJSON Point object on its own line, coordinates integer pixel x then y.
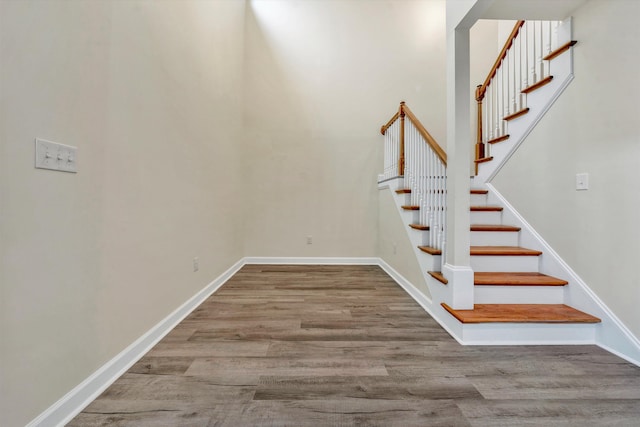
{"type": "Point", "coordinates": [539, 102]}
{"type": "Point", "coordinates": [611, 334]}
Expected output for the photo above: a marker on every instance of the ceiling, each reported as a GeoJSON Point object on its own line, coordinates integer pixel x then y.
{"type": "Point", "coordinates": [531, 9]}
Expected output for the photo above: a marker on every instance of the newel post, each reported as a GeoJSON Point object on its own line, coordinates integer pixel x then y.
{"type": "Point", "coordinates": [480, 148]}
{"type": "Point", "coordinates": [401, 158]}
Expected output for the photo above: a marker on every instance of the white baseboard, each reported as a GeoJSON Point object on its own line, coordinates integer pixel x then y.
{"type": "Point", "coordinates": [418, 296]}
{"type": "Point", "coordinates": [84, 393]}
{"type": "Point", "coordinates": [77, 399]}
{"type": "Point", "coordinates": [313, 260]}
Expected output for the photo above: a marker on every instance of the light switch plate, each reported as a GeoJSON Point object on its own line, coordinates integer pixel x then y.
{"type": "Point", "coordinates": [582, 181]}
{"type": "Point", "coordinates": [54, 156]}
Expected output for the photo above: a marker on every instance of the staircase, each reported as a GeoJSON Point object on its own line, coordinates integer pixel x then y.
{"type": "Point", "coordinates": [509, 288]}
{"type": "Point", "coordinates": [520, 295]}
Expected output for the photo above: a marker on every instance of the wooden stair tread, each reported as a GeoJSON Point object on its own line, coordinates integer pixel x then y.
{"type": "Point", "coordinates": [565, 47]}
{"type": "Point", "coordinates": [479, 191]}
{"type": "Point", "coordinates": [538, 85]}
{"type": "Point", "coordinates": [430, 250]}
{"type": "Point", "coordinates": [419, 227]}
{"type": "Point", "coordinates": [498, 139]}
{"type": "Point", "coordinates": [521, 313]}
{"type": "Point", "coordinates": [486, 208]}
{"type": "Point", "coordinates": [403, 191]}
{"type": "Point", "coordinates": [410, 207]}
{"type": "Point", "coordinates": [494, 227]}
{"type": "Point", "coordinates": [516, 279]}
{"type": "Point", "coordinates": [484, 160]}
{"type": "Point", "coordinates": [438, 276]}
{"type": "Point", "coordinates": [503, 250]}
{"type": "Point", "coordinates": [516, 114]}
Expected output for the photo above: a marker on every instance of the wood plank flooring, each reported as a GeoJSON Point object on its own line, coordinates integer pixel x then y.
{"type": "Point", "coordinates": [345, 345]}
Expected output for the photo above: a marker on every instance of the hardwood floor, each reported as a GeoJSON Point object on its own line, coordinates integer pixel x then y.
{"type": "Point", "coordinates": [345, 345]}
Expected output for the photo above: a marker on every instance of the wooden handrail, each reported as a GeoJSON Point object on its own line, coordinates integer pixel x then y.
{"type": "Point", "coordinates": [426, 135]}
{"type": "Point", "coordinates": [480, 91]}
{"type": "Point", "coordinates": [384, 128]}
{"type": "Point", "coordinates": [406, 111]}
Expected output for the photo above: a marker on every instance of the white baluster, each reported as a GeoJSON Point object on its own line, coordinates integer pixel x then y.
{"type": "Point", "coordinates": [387, 154]}
{"type": "Point", "coordinates": [541, 50]}
{"type": "Point", "coordinates": [496, 105]}
{"type": "Point", "coordinates": [522, 75]}
{"type": "Point", "coordinates": [487, 110]}
{"type": "Point", "coordinates": [534, 75]}
{"type": "Point", "coordinates": [505, 64]}
{"type": "Point", "coordinates": [504, 111]}
{"type": "Point", "coordinates": [514, 70]}
{"type": "Point", "coordinates": [525, 80]}
{"type": "Point", "coordinates": [549, 36]}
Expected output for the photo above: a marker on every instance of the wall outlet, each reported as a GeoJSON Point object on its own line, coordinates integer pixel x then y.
{"type": "Point", "coordinates": [582, 181]}
{"type": "Point", "coordinates": [196, 264]}
{"type": "Point", "coordinates": [309, 240]}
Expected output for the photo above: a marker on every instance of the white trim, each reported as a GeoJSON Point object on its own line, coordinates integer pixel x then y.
{"type": "Point", "coordinates": [529, 334]}
{"type": "Point", "coordinates": [623, 332]}
{"type": "Point", "coordinates": [424, 302]}
{"type": "Point", "coordinates": [532, 125]}
{"type": "Point", "coordinates": [72, 403]}
{"type": "Point", "coordinates": [88, 390]}
{"type": "Point", "coordinates": [462, 288]}
{"type": "Point", "coordinates": [620, 355]}
{"type": "Point", "coordinates": [313, 260]}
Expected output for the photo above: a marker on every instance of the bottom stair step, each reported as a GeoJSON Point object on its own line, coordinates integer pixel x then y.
{"type": "Point", "coordinates": [521, 313]}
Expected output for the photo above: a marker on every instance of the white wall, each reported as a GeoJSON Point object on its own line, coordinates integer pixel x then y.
{"type": "Point", "coordinates": [151, 93]}
{"type": "Point", "coordinates": [321, 78]}
{"type": "Point", "coordinates": [593, 128]}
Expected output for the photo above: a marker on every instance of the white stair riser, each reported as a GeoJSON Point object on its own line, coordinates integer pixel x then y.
{"type": "Point", "coordinates": [519, 294]}
{"type": "Point", "coordinates": [408, 216]}
{"type": "Point", "coordinates": [518, 264]}
{"type": "Point", "coordinates": [528, 333]}
{"type": "Point", "coordinates": [478, 199]}
{"type": "Point", "coordinates": [483, 217]}
{"type": "Point", "coordinates": [494, 238]}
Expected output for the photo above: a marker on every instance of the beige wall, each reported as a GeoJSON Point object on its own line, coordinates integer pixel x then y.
{"type": "Point", "coordinates": [321, 78]}
{"type": "Point", "coordinates": [394, 246]}
{"type": "Point", "coordinates": [151, 93]}
{"type": "Point", "coordinates": [593, 128]}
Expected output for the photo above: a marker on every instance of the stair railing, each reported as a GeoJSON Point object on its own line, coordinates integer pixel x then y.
{"type": "Point", "coordinates": [412, 153]}
{"type": "Point", "coordinates": [521, 67]}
